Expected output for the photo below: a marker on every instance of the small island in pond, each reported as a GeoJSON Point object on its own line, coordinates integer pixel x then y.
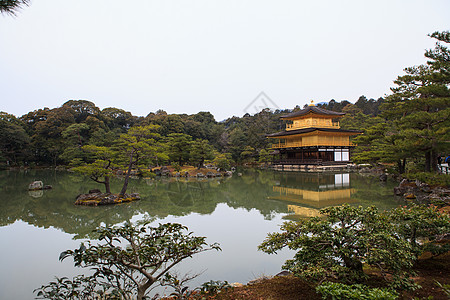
{"type": "Point", "coordinates": [96, 198]}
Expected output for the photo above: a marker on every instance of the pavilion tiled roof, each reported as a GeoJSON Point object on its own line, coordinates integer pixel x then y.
{"type": "Point", "coordinates": [312, 109]}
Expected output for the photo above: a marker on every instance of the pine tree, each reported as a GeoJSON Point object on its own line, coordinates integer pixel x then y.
{"type": "Point", "coordinates": [417, 111]}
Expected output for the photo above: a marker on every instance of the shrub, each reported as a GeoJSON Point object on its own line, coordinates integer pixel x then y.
{"type": "Point", "coordinates": [430, 178]}
{"type": "Point", "coordinates": [332, 290]}
{"type": "Point", "coordinates": [424, 223]}
{"type": "Point", "coordinates": [222, 162]}
{"type": "Point", "coordinates": [214, 287]}
{"type": "Point", "coordinates": [337, 246]}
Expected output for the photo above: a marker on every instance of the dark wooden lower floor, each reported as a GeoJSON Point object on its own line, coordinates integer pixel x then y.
{"type": "Point", "coordinates": [312, 156]}
{"type": "Point", "coordinates": [317, 162]}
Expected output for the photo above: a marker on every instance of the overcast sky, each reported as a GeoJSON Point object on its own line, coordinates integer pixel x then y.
{"type": "Point", "coordinates": [188, 56]}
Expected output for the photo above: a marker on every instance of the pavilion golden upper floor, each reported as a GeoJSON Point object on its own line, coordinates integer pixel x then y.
{"type": "Point", "coordinates": [312, 126]}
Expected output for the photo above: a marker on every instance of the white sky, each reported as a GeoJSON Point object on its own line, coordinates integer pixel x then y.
{"type": "Point", "coordinates": [188, 56]}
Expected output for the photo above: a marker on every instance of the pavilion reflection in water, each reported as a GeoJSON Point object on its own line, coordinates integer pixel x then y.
{"type": "Point", "coordinates": [308, 193]}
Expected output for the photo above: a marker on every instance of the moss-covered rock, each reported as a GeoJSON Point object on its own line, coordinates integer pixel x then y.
{"type": "Point", "coordinates": [95, 199]}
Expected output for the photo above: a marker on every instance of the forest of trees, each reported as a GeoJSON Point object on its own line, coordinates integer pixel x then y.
{"type": "Point", "coordinates": [60, 136]}
{"type": "Point", "coordinates": [409, 128]}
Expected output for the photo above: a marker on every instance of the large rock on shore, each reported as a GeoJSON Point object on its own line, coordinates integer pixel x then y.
{"type": "Point", "coordinates": [404, 187]}
{"type": "Point", "coordinates": [97, 198]}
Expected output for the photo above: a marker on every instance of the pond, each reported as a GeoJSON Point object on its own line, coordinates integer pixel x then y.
{"type": "Point", "coordinates": [237, 212]}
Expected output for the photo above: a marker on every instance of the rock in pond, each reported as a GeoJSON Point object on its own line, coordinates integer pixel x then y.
{"type": "Point", "coordinates": [95, 199]}
{"type": "Point", "coordinates": [36, 185]}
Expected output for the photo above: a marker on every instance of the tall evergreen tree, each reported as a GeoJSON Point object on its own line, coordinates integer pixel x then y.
{"type": "Point", "coordinates": [136, 148]}
{"type": "Point", "coordinates": [179, 147]}
{"type": "Point", "coordinates": [201, 150]}
{"type": "Point", "coordinates": [418, 110]}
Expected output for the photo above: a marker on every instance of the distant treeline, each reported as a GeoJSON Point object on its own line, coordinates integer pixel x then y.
{"type": "Point", "coordinates": [367, 106]}
{"type": "Point", "coordinates": [52, 136]}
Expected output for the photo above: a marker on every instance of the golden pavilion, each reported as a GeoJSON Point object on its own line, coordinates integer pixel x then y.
{"type": "Point", "coordinates": [313, 137]}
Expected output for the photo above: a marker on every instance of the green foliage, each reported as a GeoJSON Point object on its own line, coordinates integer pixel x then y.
{"type": "Point", "coordinates": [264, 156]}
{"type": "Point", "coordinates": [75, 136]}
{"type": "Point", "coordinates": [417, 114]}
{"type": "Point", "coordinates": [420, 222]}
{"type": "Point", "coordinates": [355, 119]}
{"type": "Point", "coordinates": [201, 150]}
{"type": "Point", "coordinates": [118, 119]}
{"type": "Point", "coordinates": [58, 134]}
{"type": "Point", "coordinates": [102, 166]}
{"type": "Point", "coordinates": [137, 148]}
{"type": "Point", "coordinates": [179, 147]}
{"type": "Point", "coordinates": [249, 131]}
{"type": "Point", "coordinates": [248, 154]}
{"type": "Point", "coordinates": [47, 126]}
{"type": "Point", "coordinates": [176, 166]}
{"type": "Point", "coordinates": [76, 162]}
{"type": "Point", "coordinates": [128, 260]}
{"type": "Point", "coordinates": [430, 178]}
{"type": "Point", "coordinates": [81, 287]}
{"type": "Point", "coordinates": [14, 140]}
{"type": "Point", "coordinates": [222, 161]}
{"type": "Point", "coordinates": [334, 105]}
{"type": "Point", "coordinates": [101, 137]}
{"type": "Point", "coordinates": [368, 106]}
{"type": "Point", "coordinates": [214, 287]}
{"type": "Point", "coordinates": [82, 109]}
{"type": "Point", "coordinates": [332, 290]}
{"type": "Point", "coordinates": [181, 290]}
{"type": "Point", "coordinates": [445, 288]}
{"type": "Point", "coordinates": [338, 245]}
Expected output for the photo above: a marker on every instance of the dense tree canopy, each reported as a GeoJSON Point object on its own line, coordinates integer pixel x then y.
{"type": "Point", "coordinates": [57, 136]}
{"type": "Point", "coordinates": [14, 140]}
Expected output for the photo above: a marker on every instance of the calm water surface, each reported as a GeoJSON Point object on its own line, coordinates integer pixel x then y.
{"type": "Point", "coordinates": [237, 212]}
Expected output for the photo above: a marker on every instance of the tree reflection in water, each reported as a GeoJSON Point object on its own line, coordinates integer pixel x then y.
{"type": "Point", "coordinates": [266, 191]}
{"type": "Point", "coordinates": [237, 212]}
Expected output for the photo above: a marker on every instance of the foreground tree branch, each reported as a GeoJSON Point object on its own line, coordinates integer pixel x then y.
{"type": "Point", "coordinates": [11, 7]}
{"type": "Point", "coordinates": [127, 261]}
